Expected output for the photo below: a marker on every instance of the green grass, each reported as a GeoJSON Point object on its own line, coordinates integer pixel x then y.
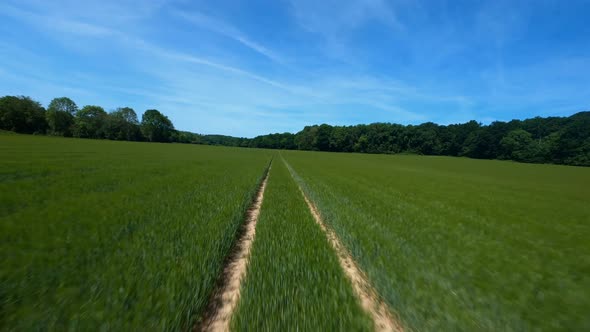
{"type": "Point", "coordinates": [456, 244]}
{"type": "Point", "coordinates": [116, 235]}
{"type": "Point", "coordinates": [132, 236]}
{"type": "Point", "coordinates": [294, 281]}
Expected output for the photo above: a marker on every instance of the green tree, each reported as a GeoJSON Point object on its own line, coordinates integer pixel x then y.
{"type": "Point", "coordinates": [379, 138]}
{"type": "Point", "coordinates": [60, 116]}
{"type": "Point", "coordinates": [518, 145]}
{"type": "Point", "coordinates": [122, 124]}
{"type": "Point", "coordinates": [362, 144]}
{"type": "Point", "coordinates": [479, 144]}
{"type": "Point", "coordinates": [426, 139]}
{"type": "Point", "coordinates": [63, 104]}
{"type": "Point", "coordinates": [321, 140]}
{"type": "Point", "coordinates": [90, 122]}
{"type": "Point", "coordinates": [22, 115]}
{"type": "Point", "coordinates": [59, 123]}
{"type": "Point", "coordinates": [341, 139]}
{"type": "Point", "coordinates": [573, 147]}
{"type": "Point", "coordinates": [156, 127]}
{"type": "Point", "coordinates": [305, 139]}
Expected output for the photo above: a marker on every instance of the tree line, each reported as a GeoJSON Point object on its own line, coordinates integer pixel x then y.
{"type": "Point", "coordinates": [559, 140]}
{"type": "Point", "coordinates": [63, 118]}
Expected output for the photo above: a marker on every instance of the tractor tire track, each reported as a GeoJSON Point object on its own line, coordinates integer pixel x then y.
{"type": "Point", "coordinates": [370, 301]}
{"type": "Point", "coordinates": [225, 298]}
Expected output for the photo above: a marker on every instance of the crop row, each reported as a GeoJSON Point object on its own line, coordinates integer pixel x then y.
{"type": "Point", "coordinates": [459, 244]}
{"type": "Point", "coordinates": [294, 281]}
{"type": "Point", "coordinates": [132, 236]}
{"type": "Point", "coordinates": [116, 236]}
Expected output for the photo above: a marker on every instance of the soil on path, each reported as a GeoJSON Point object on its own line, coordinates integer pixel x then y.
{"type": "Point", "coordinates": [370, 300]}
{"type": "Point", "coordinates": [225, 298]}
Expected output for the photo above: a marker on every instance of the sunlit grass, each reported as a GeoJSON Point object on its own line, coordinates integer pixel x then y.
{"type": "Point", "coordinates": [458, 244]}
{"type": "Point", "coordinates": [132, 236]}
{"type": "Point", "coordinates": [294, 281]}
{"type": "Point", "coordinates": [116, 235]}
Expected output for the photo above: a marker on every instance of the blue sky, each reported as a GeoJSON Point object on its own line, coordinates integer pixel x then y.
{"type": "Point", "coordinates": [246, 68]}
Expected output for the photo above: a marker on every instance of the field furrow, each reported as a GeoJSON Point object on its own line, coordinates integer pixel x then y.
{"type": "Point", "coordinates": [294, 281]}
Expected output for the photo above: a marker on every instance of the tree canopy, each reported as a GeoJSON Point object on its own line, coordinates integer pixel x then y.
{"type": "Point", "coordinates": [560, 140]}
{"type": "Point", "coordinates": [90, 122]}
{"type": "Point", "coordinates": [60, 116]}
{"type": "Point", "coordinates": [539, 140]}
{"type": "Point", "coordinates": [63, 104]}
{"type": "Point", "coordinates": [22, 115]}
{"type": "Point", "coordinates": [156, 127]}
{"type": "Point", "coordinates": [122, 124]}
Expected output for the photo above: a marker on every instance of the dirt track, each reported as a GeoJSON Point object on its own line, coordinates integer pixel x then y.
{"type": "Point", "coordinates": [225, 298]}
{"type": "Point", "coordinates": [370, 301]}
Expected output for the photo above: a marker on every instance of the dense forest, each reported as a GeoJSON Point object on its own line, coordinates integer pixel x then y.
{"type": "Point", "coordinates": [559, 140]}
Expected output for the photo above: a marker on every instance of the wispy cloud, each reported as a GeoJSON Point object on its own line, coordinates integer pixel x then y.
{"type": "Point", "coordinates": [94, 11]}
{"type": "Point", "coordinates": [187, 81]}
{"type": "Point", "coordinates": [183, 86]}
{"type": "Point", "coordinates": [347, 62]}
{"type": "Point", "coordinates": [227, 30]}
{"type": "Point", "coordinates": [95, 30]}
{"type": "Point", "coordinates": [54, 23]}
{"type": "Point", "coordinates": [180, 56]}
{"type": "Point", "coordinates": [332, 18]}
{"type": "Point", "coordinates": [333, 26]}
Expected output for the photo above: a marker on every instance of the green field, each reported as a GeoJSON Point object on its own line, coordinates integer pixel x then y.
{"type": "Point", "coordinates": [294, 279]}
{"type": "Point", "coordinates": [116, 235]}
{"type": "Point", "coordinates": [133, 236]}
{"type": "Point", "coordinates": [460, 244]}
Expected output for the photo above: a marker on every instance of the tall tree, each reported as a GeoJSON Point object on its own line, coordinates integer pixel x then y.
{"type": "Point", "coordinates": [59, 123]}
{"type": "Point", "coordinates": [60, 116]}
{"type": "Point", "coordinates": [156, 127]}
{"type": "Point", "coordinates": [322, 138]}
{"type": "Point", "coordinates": [22, 115]}
{"type": "Point", "coordinates": [63, 104]}
{"type": "Point", "coordinates": [122, 124]}
{"type": "Point", "coordinates": [306, 138]}
{"type": "Point", "coordinates": [90, 122]}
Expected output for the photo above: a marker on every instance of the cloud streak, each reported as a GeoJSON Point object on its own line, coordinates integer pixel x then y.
{"type": "Point", "coordinates": [333, 19]}
{"type": "Point", "coordinates": [350, 62]}
{"type": "Point", "coordinates": [227, 30]}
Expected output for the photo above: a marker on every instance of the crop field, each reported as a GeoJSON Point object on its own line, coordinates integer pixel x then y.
{"type": "Point", "coordinates": [116, 235]}
{"type": "Point", "coordinates": [294, 278]}
{"type": "Point", "coordinates": [137, 236]}
{"type": "Point", "coordinates": [459, 244]}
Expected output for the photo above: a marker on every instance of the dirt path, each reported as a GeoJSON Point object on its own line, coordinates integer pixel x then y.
{"type": "Point", "coordinates": [370, 301]}
{"type": "Point", "coordinates": [224, 300]}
